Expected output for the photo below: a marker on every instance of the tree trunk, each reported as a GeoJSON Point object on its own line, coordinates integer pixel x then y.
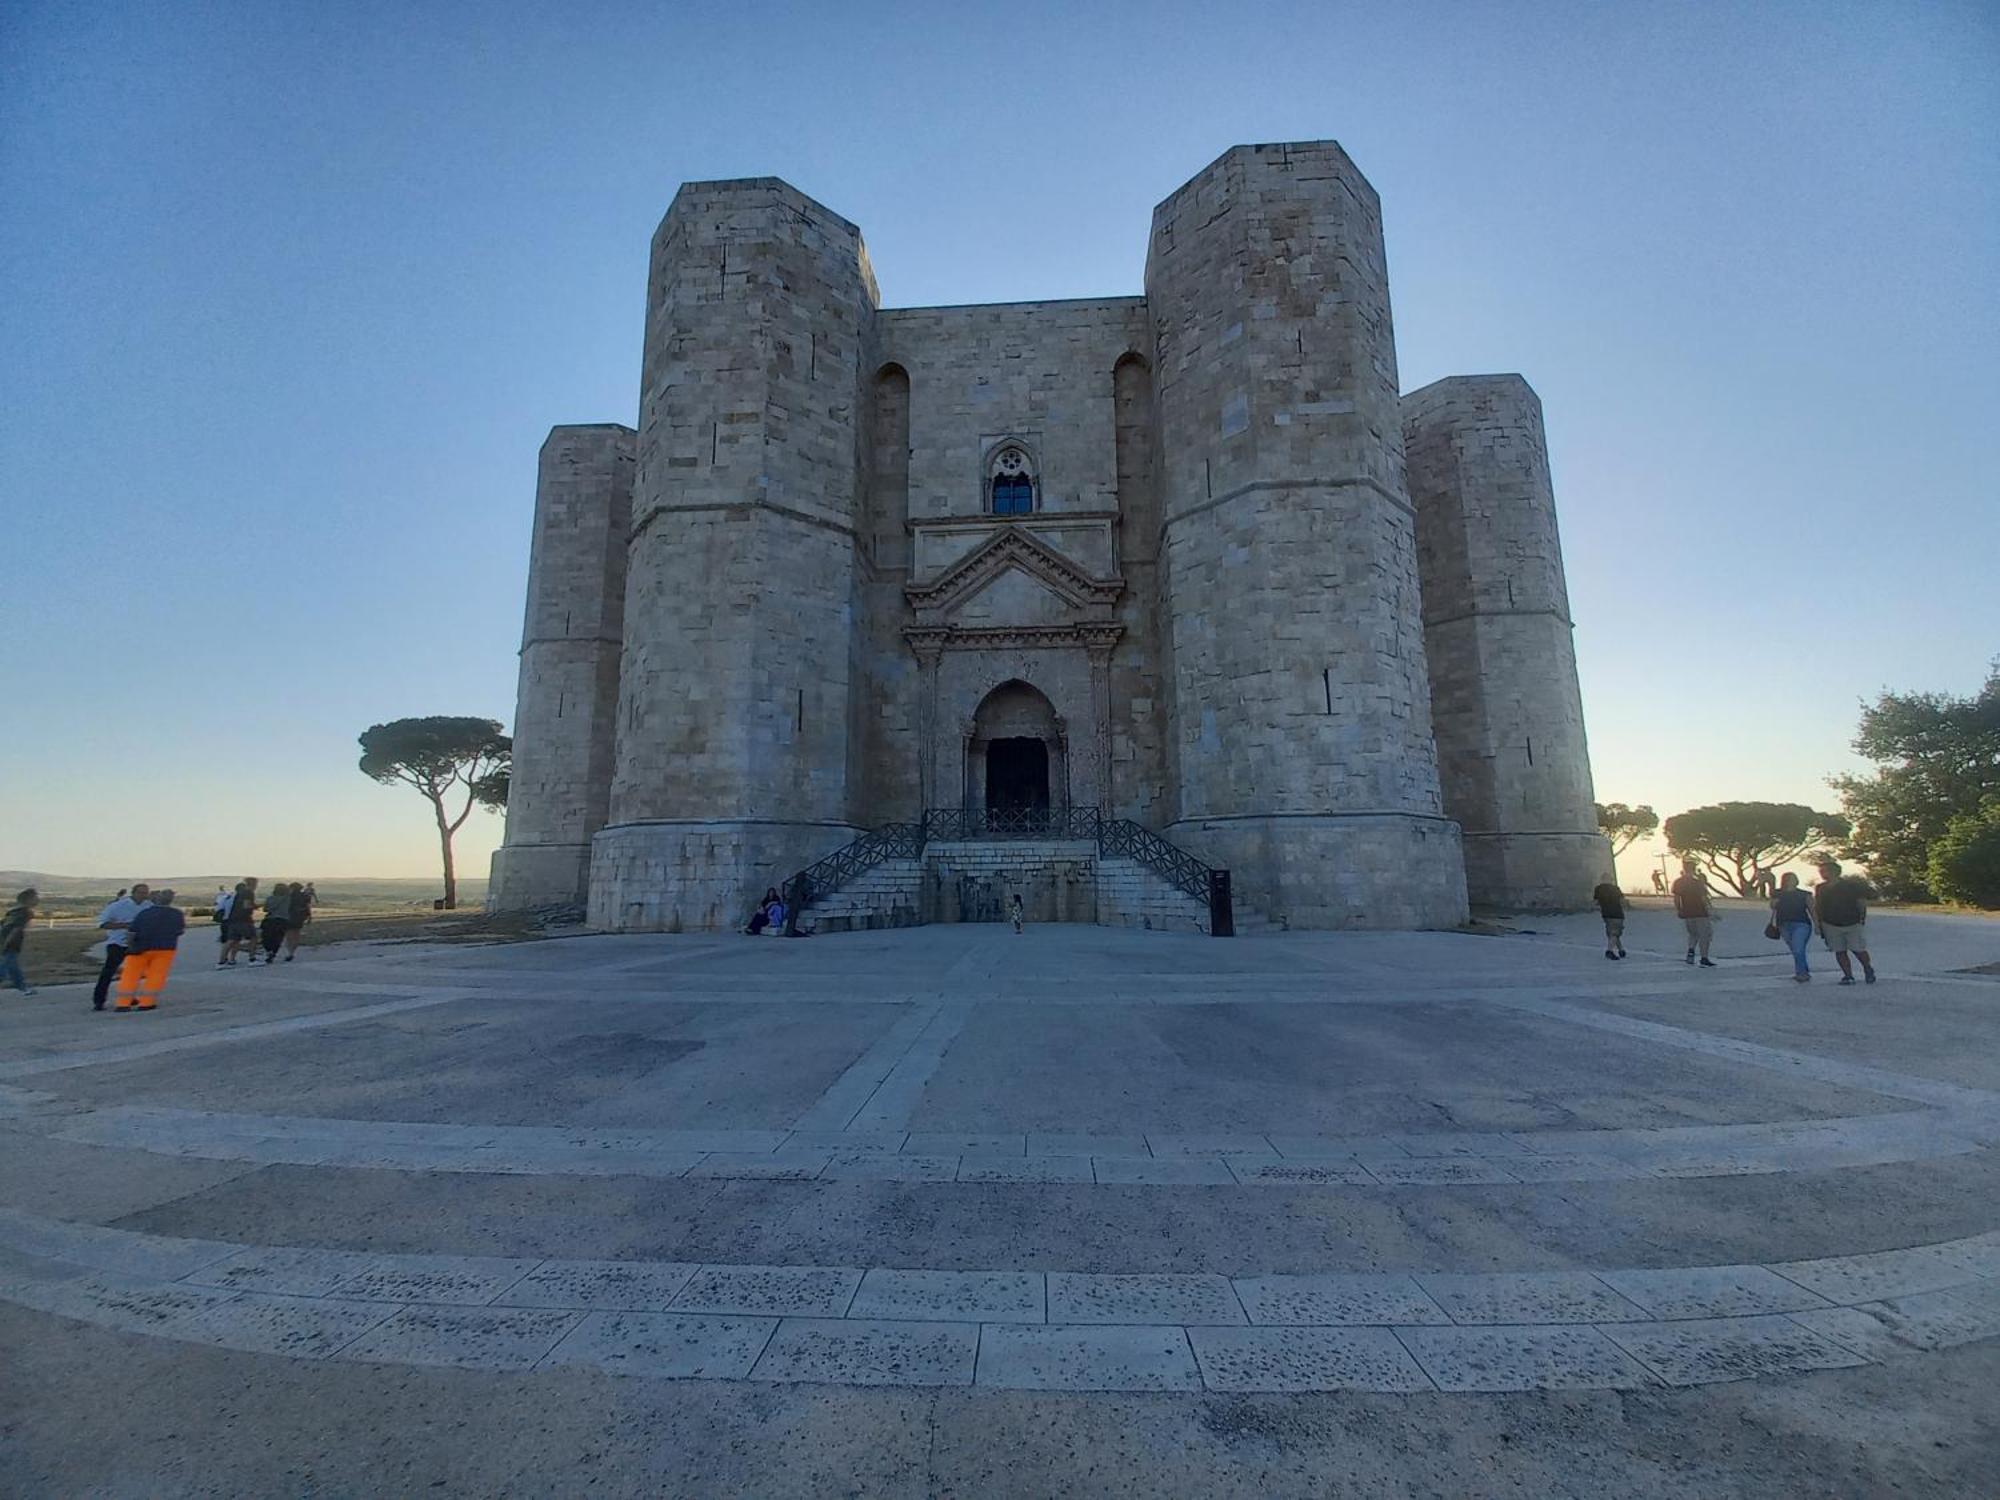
{"type": "Point", "coordinates": [450, 873]}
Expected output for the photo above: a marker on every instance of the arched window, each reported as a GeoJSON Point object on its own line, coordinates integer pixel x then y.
{"type": "Point", "coordinates": [1011, 481]}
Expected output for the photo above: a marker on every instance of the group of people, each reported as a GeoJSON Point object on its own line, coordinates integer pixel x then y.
{"type": "Point", "coordinates": [1835, 910]}
{"type": "Point", "coordinates": [769, 915]}
{"type": "Point", "coordinates": [286, 913]}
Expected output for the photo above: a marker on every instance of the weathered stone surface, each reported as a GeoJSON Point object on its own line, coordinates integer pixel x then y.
{"type": "Point", "coordinates": [790, 608]}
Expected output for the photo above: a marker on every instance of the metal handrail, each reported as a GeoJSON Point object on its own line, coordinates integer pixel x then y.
{"type": "Point", "coordinates": [1118, 837]}
{"type": "Point", "coordinates": [891, 841]}
{"type": "Point", "coordinates": [947, 823]}
{"type": "Point", "coordinates": [1122, 837]}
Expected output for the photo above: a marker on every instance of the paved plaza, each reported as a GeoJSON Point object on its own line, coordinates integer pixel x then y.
{"type": "Point", "coordinates": [944, 1211]}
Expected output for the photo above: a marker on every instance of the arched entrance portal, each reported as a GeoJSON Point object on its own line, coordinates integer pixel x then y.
{"type": "Point", "coordinates": [1016, 761]}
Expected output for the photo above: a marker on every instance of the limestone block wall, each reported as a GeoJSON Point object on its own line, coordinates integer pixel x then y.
{"type": "Point", "coordinates": [733, 725]}
{"type": "Point", "coordinates": [566, 705]}
{"type": "Point", "coordinates": [1498, 635]}
{"type": "Point", "coordinates": [1046, 374]}
{"type": "Point", "coordinates": [974, 880]}
{"type": "Point", "coordinates": [1301, 700]}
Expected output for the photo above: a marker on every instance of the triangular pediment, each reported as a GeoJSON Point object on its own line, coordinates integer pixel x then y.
{"type": "Point", "coordinates": [1042, 578]}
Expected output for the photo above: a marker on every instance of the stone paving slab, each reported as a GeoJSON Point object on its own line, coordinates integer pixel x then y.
{"type": "Point", "coordinates": [1441, 1170]}
{"type": "Point", "coordinates": [1711, 1291]}
{"type": "Point", "coordinates": [284, 1270]}
{"type": "Point", "coordinates": [1885, 1273]}
{"type": "Point", "coordinates": [460, 1280]}
{"type": "Point", "coordinates": [1701, 1351]}
{"type": "Point", "coordinates": [617, 1285]}
{"type": "Point", "coordinates": [880, 1166]}
{"type": "Point", "coordinates": [1337, 1300]}
{"type": "Point", "coordinates": [782, 1166]}
{"type": "Point", "coordinates": [1527, 1297]}
{"type": "Point", "coordinates": [297, 1327]}
{"type": "Point", "coordinates": [1162, 1172]}
{"type": "Point", "coordinates": [478, 1338]}
{"type": "Point", "coordinates": [787, 1291]}
{"type": "Point", "coordinates": [664, 1345]}
{"type": "Point", "coordinates": [1522, 1359]}
{"type": "Point", "coordinates": [1260, 1171]}
{"type": "Point", "coordinates": [1086, 1359]}
{"type": "Point", "coordinates": [972, 1296]}
{"type": "Point", "coordinates": [1073, 1144]}
{"type": "Point", "coordinates": [1210, 1145]}
{"type": "Point", "coordinates": [857, 1351]}
{"type": "Point", "coordinates": [110, 1300]}
{"type": "Point", "coordinates": [984, 1168]}
{"type": "Point", "coordinates": [1305, 1359]}
{"type": "Point", "coordinates": [930, 1143]}
{"type": "Point", "coordinates": [1164, 1298]}
{"type": "Point", "coordinates": [1926, 1321]}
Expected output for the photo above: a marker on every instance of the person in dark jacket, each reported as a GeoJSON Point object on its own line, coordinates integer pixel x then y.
{"type": "Point", "coordinates": [1791, 913]}
{"type": "Point", "coordinates": [13, 933]}
{"type": "Point", "coordinates": [303, 897]}
{"type": "Point", "coordinates": [277, 917]}
{"type": "Point", "coordinates": [1611, 906]}
{"type": "Point", "coordinates": [151, 941]}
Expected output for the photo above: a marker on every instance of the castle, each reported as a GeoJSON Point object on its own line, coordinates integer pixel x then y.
{"type": "Point", "coordinates": [1189, 559]}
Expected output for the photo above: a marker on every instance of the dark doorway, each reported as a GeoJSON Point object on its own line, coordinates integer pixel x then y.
{"type": "Point", "coordinates": [1017, 776]}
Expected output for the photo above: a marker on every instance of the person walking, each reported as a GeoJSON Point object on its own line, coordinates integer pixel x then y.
{"type": "Point", "coordinates": [277, 917]}
{"type": "Point", "coordinates": [1697, 913]}
{"type": "Point", "coordinates": [1015, 913]}
{"type": "Point", "coordinates": [303, 897]}
{"type": "Point", "coordinates": [1792, 915]}
{"type": "Point", "coordinates": [13, 933]}
{"type": "Point", "coordinates": [155, 935]}
{"type": "Point", "coordinates": [1611, 906]}
{"type": "Point", "coordinates": [239, 922]}
{"type": "Point", "coordinates": [1840, 911]}
{"type": "Point", "coordinates": [116, 920]}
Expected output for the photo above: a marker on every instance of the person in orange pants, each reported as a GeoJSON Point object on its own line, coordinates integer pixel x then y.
{"type": "Point", "coordinates": [153, 938]}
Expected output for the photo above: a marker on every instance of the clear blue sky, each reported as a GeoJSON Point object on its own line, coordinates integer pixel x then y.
{"type": "Point", "coordinates": [289, 296]}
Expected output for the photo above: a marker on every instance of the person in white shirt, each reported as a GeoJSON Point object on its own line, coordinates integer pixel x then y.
{"type": "Point", "coordinates": [116, 920]}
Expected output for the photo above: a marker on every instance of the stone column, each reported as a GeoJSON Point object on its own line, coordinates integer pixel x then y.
{"type": "Point", "coordinates": [1498, 635]}
{"type": "Point", "coordinates": [1100, 645]}
{"type": "Point", "coordinates": [1301, 701]}
{"type": "Point", "coordinates": [566, 707]}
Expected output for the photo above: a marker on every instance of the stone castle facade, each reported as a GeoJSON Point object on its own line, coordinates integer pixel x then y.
{"type": "Point", "coordinates": [1189, 557]}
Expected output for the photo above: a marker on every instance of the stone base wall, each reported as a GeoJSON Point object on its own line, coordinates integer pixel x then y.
{"type": "Point", "coordinates": [698, 875]}
{"type": "Point", "coordinates": [1384, 870]}
{"type": "Point", "coordinates": [1535, 871]}
{"type": "Point", "coordinates": [525, 875]}
{"type": "Point", "coordinates": [973, 880]}
{"type": "Point", "coordinates": [1130, 895]}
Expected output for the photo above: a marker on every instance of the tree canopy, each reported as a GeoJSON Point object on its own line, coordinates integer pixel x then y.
{"type": "Point", "coordinates": [1940, 760]}
{"type": "Point", "coordinates": [436, 755]}
{"type": "Point", "coordinates": [1623, 825]}
{"type": "Point", "coordinates": [1965, 861]}
{"type": "Point", "coordinates": [1732, 840]}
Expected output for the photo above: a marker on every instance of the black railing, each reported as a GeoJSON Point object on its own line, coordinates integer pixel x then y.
{"type": "Point", "coordinates": [891, 841]}
{"type": "Point", "coordinates": [1118, 837]}
{"type": "Point", "coordinates": [1124, 838]}
{"type": "Point", "coordinates": [946, 823]}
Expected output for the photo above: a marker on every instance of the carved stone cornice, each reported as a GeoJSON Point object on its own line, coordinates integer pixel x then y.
{"type": "Point", "coordinates": [1014, 547]}
{"type": "Point", "coordinates": [1091, 636]}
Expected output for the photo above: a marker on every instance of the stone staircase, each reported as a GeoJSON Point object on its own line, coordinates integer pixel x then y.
{"type": "Point", "coordinates": [973, 880]}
